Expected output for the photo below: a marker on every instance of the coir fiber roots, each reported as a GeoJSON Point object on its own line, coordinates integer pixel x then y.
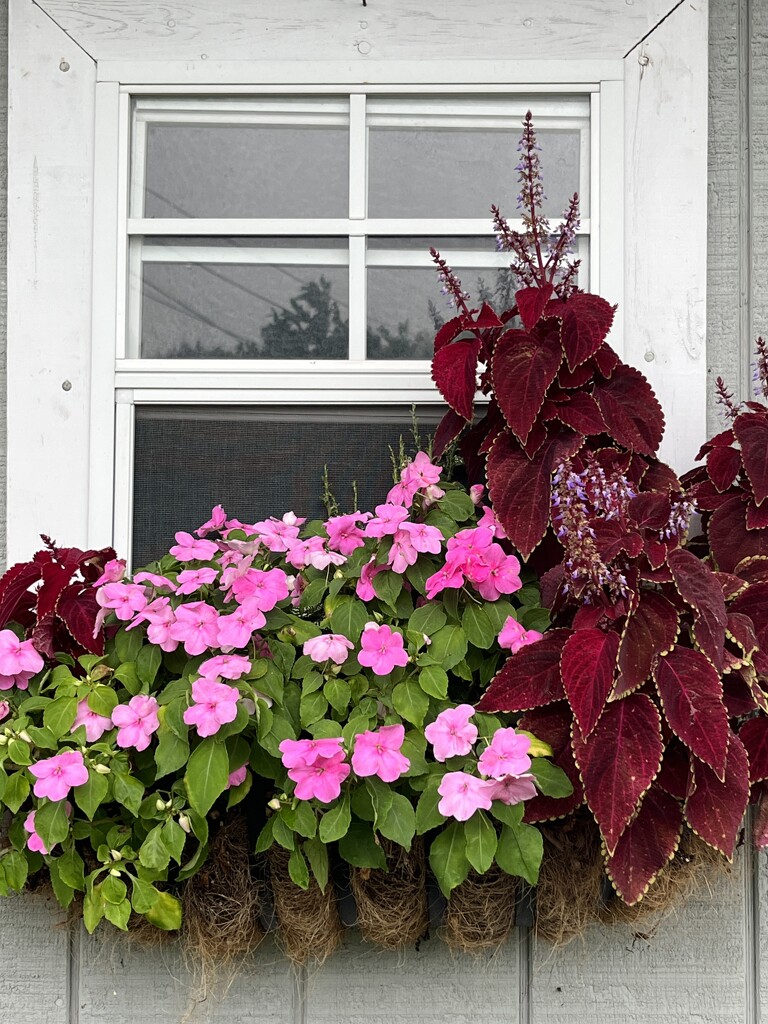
{"type": "Point", "coordinates": [480, 912]}
{"type": "Point", "coordinates": [392, 909]}
{"type": "Point", "coordinates": [309, 926]}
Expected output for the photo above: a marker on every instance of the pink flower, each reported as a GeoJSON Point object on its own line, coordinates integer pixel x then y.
{"type": "Point", "coordinates": [344, 534]}
{"type": "Point", "coordinates": [190, 549]}
{"type": "Point", "coordinates": [489, 519]}
{"type": "Point", "coordinates": [378, 753]}
{"type": "Point", "coordinates": [298, 753]}
{"type": "Point", "coordinates": [265, 588]}
{"type": "Point", "coordinates": [462, 795]}
{"type": "Point", "coordinates": [57, 775]}
{"type": "Point", "coordinates": [136, 721]}
{"type": "Point", "coordinates": [452, 734]}
{"type": "Point", "coordinates": [512, 789]}
{"type": "Point", "coordinates": [277, 534]}
{"type": "Point", "coordinates": [476, 492]}
{"type": "Point", "coordinates": [124, 598]}
{"type": "Point", "coordinates": [313, 552]}
{"type": "Point", "coordinates": [503, 574]}
{"type": "Point", "coordinates": [329, 647]}
{"type": "Point", "coordinates": [322, 779]}
{"type": "Point", "coordinates": [215, 705]}
{"type": "Point", "coordinates": [191, 580]}
{"type": "Point", "coordinates": [425, 539]}
{"type": "Point", "coordinates": [95, 725]}
{"type": "Point", "coordinates": [402, 553]}
{"type": "Point", "coordinates": [216, 522]}
{"type": "Point", "coordinates": [402, 493]}
{"type": "Point", "coordinates": [467, 551]}
{"type": "Point", "coordinates": [35, 843]}
{"type": "Point", "coordinates": [386, 521]}
{"type": "Point", "coordinates": [18, 656]}
{"type": "Point", "coordinates": [449, 576]}
{"type": "Point", "coordinates": [156, 581]}
{"type": "Point", "coordinates": [196, 626]}
{"type": "Point", "coordinates": [114, 570]}
{"type": "Point", "coordinates": [507, 754]}
{"type": "Point", "coordinates": [513, 636]}
{"type": "Point", "coordinates": [225, 666]}
{"type": "Point", "coordinates": [382, 649]}
{"type": "Point", "coordinates": [236, 629]}
{"type": "Point", "coordinates": [364, 587]}
{"type": "Point", "coordinates": [160, 622]}
{"type": "Point", "coordinates": [432, 494]}
{"type": "Point", "coordinates": [5, 709]}
{"type": "Point", "coordinates": [237, 777]}
{"type": "Point", "coordinates": [421, 471]}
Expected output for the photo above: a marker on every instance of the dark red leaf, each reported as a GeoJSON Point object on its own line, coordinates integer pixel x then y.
{"type": "Point", "coordinates": [553, 724]}
{"type": "Point", "coordinates": [582, 413]}
{"type": "Point", "coordinates": [55, 579]}
{"type": "Point", "coordinates": [448, 332]}
{"type": "Point", "coordinates": [751, 430]}
{"type": "Point", "coordinates": [550, 584]}
{"type": "Point", "coordinates": [723, 465]}
{"type": "Point", "coordinates": [650, 510]}
{"type": "Point", "coordinates": [719, 440]}
{"type": "Point", "coordinates": [647, 844]}
{"type": "Point", "coordinates": [729, 538]}
{"type": "Point", "coordinates": [691, 694]}
{"type": "Point", "coordinates": [487, 318]}
{"type": "Point", "coordinates": [535, 439]}
{"type": "Point", "coordinates": [14, 584]}
{"type": "Point", "coordinates": [732, 585]}
{"type": "Point", "coordinates": [675, 775]}
{"type": "Point", "coordinates": [524, 365]}
{"type": "Point", "coordinates": [698, 587]}
{"type": "Point", "coordinates": [737, 696]}
{"type": "Point", "coordinates": [77, 609]}
{"type": "Point", "coordinates": [43, 635]}
{"type": "Point", "coordinates": [660, 477]}
{"type": "Point", "coordinates": [754, 735]}
{"type": "Point", "coordinates": [606, 360]}
{"type": "Point", "coordinates": [753, 603]}
{"type": "Point", "coordinates": [530, 678]}
{"type": "Point", "coordinates": [619, 762]}
{"type": "Point", "coordinates": [611, 538]}
{"type": "Point", "coordinates": [757, 518]}
{"type": "Point", "coordinates": [531, 303]}
{"type": "Point", "coordinates": [587, 320]}
{"type": "Point", "coordinates": [707, 496]}
{"type": "Point", "coordinates": [520, 487]}
{"type": "Point", "coordinates": [588, 666]}
{"type": "Point", "coordinates": [715, 809]}
{"type": "Point", "coordinates": [448, 429]}
{"type": "Point", "coordinates": [454, 370]}
{"type": "Point", "coordinates": [569, 379]}
{"type": "Point", "coordinates": [650, 631]}
{"type": "Point", "coordinates": [741, 630]}
{"type": "Point", "coordinates": [631, 410]}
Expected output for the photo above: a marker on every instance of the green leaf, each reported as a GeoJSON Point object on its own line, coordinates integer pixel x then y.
{"type": "Point", "coordinates": [128, 644]}
{"type": "Point", "coordinates": [427, 619]}
{"type": "Point", "coordinates": [508, 814]}
{"type": "Point", "coordinates": [298, 869]}
{"type": "Point", "coordinates": [551, 780]}
{"type": "Point", "coordinates": [381, 798]}
{"type": "Point", "coordinates": [16, 791]}
{"type": "Point", "coordinates": [128, 791]}
{"type": "Point", "coordinates": [336, 820]}
{"type": "Point", "coordinates": [434, 681]}
{"type": "Point", "coordinates": [171, 753]}
{"type": "Point", "coordinates": [90, 795]}
{"type": "Point", "coordinates": [388, 586]}
{"type": "Point", "coordinates": [301, 818]}
{"type": "Point", "coordinates": [60, 714]}
{"type": "Point", "coordinates": [102, 700]}
{"type": "Point", "coordinates": [148, 662]}
{"type": "Point", "coordinates": [520, 850]}
{"type": "Point", "coordinates": [348, 617]}
{"type": "Point", "coordinates": [418, 573]}
{"type": "Point", "coordinates": [312, 708]}
{"type": "Point", "coordinates": [477, 627]}
{"type": "Point", "coordinates": [15, 868]}
{"type": "Point", "coordinates": [481, 841]}
{"type": "Point", "coordinates": [359, 847]}
{"type": "Point", "coordinates": [338, 693]}
{"type": "Point", "coordinates": [113, 889]}
{"type": "Point", "coordinates": [174, 837]}
{"type": "Point", "coordinates": [448, 858]}
{"type": "Point", "coordinates": [64, 893]}
{"type": "Point", "coordinates": [282, 833]}
{"type": "Point", "coordinates": [52, 823]}
{"type": "Point", "coordinates": [498, 612]}
{"type": "Point", "coordinates": [153, 852]}
{"type": "Point", "coordinates": [266, 837]}
{"type": "Point", "coordinates": [125, 673]}
{"type": "Point", "coordinates": [144, 895]}
{"type": "Point", "coordinates": [94, 905]}
{"type": "Point", "coordinates": [281, 730]}
{"type": "Point", "coordinates": [410, 701]}
{"type": "Point", "coordinates": [42, 737]}
{"type": "Point", "coordinates": [313, 594]}
{"type": "Point", "coordinates": [165, 912]}
{"type": "Point", "coordinates": [207, 774]}
{"type": "Point", "coordinates": [535, 618]}
{"type": "Point", "coordinates": [427, 814]}
{"type": "Point", "coordinates": [399, 823]}
{"type": "Point", "coordinates": [449, 646]}
{"type": "Point", "coordinates": [118, 914]}
{"type": "Point", "coordinates": [71, 868]}
{"type": "Point", "coordinates": [458, 505]}
{"type": "Point", "coordinates": [317, 854]}
{"type": "Point", "coordinates": [18, 751]}
{"type": "Point", "coordinates": [414, 748]}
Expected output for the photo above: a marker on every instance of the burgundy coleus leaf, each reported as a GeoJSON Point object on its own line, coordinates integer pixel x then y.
{"type": "Point", "coordinates": [486, 318]}
{"type": "Point", "coordinates": [55, 579]}
{"type": "Point", "coordinates": [650, 631]}
{"type": "Point", "coordinates": [631, 410]}
{"type": "Point", "coordinates": [658, 476]}
{"type": "Point", "coordinates": [588, 665]}
{"type": "Point", "coordinates": [587, 319]}
{"type": "Point", "coordinates": [14, 584]}
{"type": "Point", "coordinates": [531, 303]}
{"type": "Point", "coordinates": [676, 772]}
{"type": "Point", "coordinates": [729, 538]}
{"type": "Point", "coordinates": [77, 609]}
{"type": "Point", "coordinates": [570, 379]}
{"type": "Point", "coordinates": [707, 496]}
{"type": "Point", "coordinates": [520, 488]}
{"type": "Point", "coordinates": [732, 585]}
{"type": "Point", "coordinates": [691, 694]}
{"type": "Point", "coordinates": [606, 360]}
{"type": "Point", "coordinates": [757, 516]}
{"type": "Point", "coordinates": [530, 678]}
{"type": "Point", "coordinates": [43, 635]}
{"type": "Point", "coordinates": [611, 538]}
{"type": "Point", "coordinates": [553, 724]}
{"type": "Point", "coordinates": [698, 587]}
{"type": "Point", "coordinates": [723, 466]}
{"type": "Point", "coordinates": [93, 562]}
{"type": "Point", "coordinates": [722, 440]}
{"type": "Point", "coordinates": [737, 696]}
{"type": "Point", "coordinates": [619, 762]}
{"type": "Point", "coordinates": [650, 510]}
{"type": "Point", "coordinates": [754, 735]}
{"type": "Point", "coordinates": [715, 809]}
{"type": "Point", "coordinates": [581, 412]}
{"type": "Point", "coordinates": [647, 844]}
{"type": "Point", "coordinates": [449, 332]}
{"type": "Point", "coordinates": [741, 631]}
{"type": "Point", "coordinates": [448, 429]}
{"type": "Point", "coordinates": [454, 371]}
{"type": "Point", "coordinates": [753, 603]}
{"type": "Point", "coordinates": [751, 430]}
{"type": "Point", "coordinates": [524, 365]}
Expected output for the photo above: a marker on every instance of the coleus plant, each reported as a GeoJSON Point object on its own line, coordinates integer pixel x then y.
{"type": "Point", "coordinates": [320, 673]}
{"type": "Point", "coordinates": [628, 686]}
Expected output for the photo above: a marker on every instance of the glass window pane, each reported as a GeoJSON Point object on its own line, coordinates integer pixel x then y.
{"type": "Point", "coordinates": [459, 172]}
{"type": "Point", "coordinates": [243, 310]}
{"type": "Point", "coordinates": [258, 461]}
{"type": "Point", "coordinates": [246, 171]}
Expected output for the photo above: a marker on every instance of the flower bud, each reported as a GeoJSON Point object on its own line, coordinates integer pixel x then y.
{"type": "Point", "coordinates": [3, 740]}
{"type": "Point", "coordinates": [102, 769]}
{"type": "Point", "coordinates": [274, 803]}
{"type": "Point", "coordinates": [159, 804]}
{"type": "Point", "coordinates": [338, 575]}
{"type": "Point", "coordinates": [185, 824]}
{"type": "Point", "coordinates": [24, 735]}
{"type": "Point", "coordinates": [114, 872]}
{"type": "Point", "coordinates": [115, 855]}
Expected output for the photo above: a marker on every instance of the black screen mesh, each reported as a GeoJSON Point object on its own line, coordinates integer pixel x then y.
{"type": "Point", "coordinates": [258, 461]}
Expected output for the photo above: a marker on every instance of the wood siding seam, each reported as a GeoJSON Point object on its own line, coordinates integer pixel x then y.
{"type": "Point", "coordinates": [652, 30]}
{"type": "Point", "coordinates": [745, 171]}
{"type": "Point", "coordinates": [751, 879]}
{"type": "Point", "coordinates": [73, 973]}
{"type": "Point", "coordinates": [525, 960]}
{"type": "Point", "coordinates": [62, 29]}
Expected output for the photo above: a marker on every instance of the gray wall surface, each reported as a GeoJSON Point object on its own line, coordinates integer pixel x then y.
{"type": "Point", "coordinates": [702, 965]}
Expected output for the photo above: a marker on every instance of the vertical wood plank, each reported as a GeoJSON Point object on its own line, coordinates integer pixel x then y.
{"type": "Point", "coordinates": [34, 950]}
{"type": "Point", "coordinates": [758, 141]}
{"type": "Point", "coordinates": [3, 254]}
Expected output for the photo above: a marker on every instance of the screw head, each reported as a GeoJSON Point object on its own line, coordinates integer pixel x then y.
{"type": "Point", "coordinates": [643, 60]}
{"type": "Point", "coordinates": [64, 65]}
{"type": "Point", "coordinates": [66, 385]}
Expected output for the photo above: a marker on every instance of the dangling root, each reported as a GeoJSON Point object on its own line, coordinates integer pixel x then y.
{"type": "Point", "coordinates": [481, 911]}
{"type": "Point", "coordinates": [392, 909]}
{"type": "Point", "coordinates": [568, 895]}
{"type": "Point", "coordinates": [309, 924]}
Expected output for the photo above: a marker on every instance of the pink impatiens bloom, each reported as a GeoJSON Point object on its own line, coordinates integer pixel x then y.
{"type": "Point", "coordinates": [513, 637]}
{"type": "Point", "coordinates": [191, 580]}
{"type": "Point", "coordinates": [136, 721]}
{"type": "Point", "coordinates": [378, 753]}
{"type": "Point", "coordinates": [190, 549]}
{"type": "Point", "coordinates": [462, 795]}
{"type": "Point", "coordinates": [421, 471]}
{"type": "Point", "coordinates": [19, 661]}
{"type": "Point", "coordinates": [196, 626]}
{"type": "Point", "coordinates": [95, 725]}
{"type": "Point", "coordinates": [295, 753]}
{"type": "Point", "coordinates": [5, 709]}
{"type": "Point", "coordinates": [382, 649]}
{"type": "Point", "coordinates": [215, 705]}
{"type": "Point", "coordinates": [344, 534]}
{"type": "Point", "coordinates": [425, 539]}
{"type": "Point", "coordinates": [512, 789]}
{"type": "Point", "coordinates": [322, 779]}
{"type": "Point", "coordinates": [237, 628]}
{"type": "Point", "coordinates": [329, 647]}
{"type": "Point", "coordinates": [450, 576]}
{"type": "Point", "coordinates": [156, 580]}
{"type": "Point", "coordinates": [387, 520]}
{"type": "Point", "coordinates": [476, 492]}
{"type": "Point", "coordinates": [277, 534]}
{"type": "Point", "coordinates": [452, 734]}
{"type": "Point", "coordinates": [57, 775]}
{"type": "Point", "coordinates": [114, 570]}
{"type": "Point", "coordinates": [402, 553]}
{"type": "Point", "coordinates": [160, 619]}
{"type": "Point", "coordinates": [507, 754]}
{"type": "Point", "coordinates": [225, 666]}
{"type": "Point", "coordinates": [237, 777]}
{"type": "Point", "coordinates": [402, 493]}
{"type": "Point", "coordinates": [314, 552]}
{"type": "Point", "coordinates": [125, 599]}
{"type": "Point", "coordinates": [364, 587]}
{"type": "Point", "coordinates": [35, 843]}
{"type": "Point", "coordinates": [216, 522]}
{"type": "Point", "coordinates": [490, 520]}
{"type": "Point", "coordinates": [503, 574]}
{"type": "Point", "coordinates": [265, 589]}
